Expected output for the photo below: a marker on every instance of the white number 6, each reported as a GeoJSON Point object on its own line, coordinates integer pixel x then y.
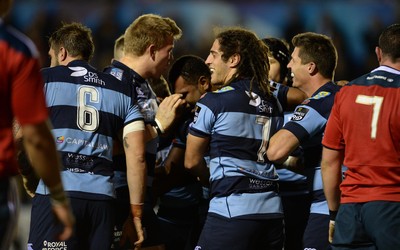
{"type": "Point", "coordinates": [87, 115]}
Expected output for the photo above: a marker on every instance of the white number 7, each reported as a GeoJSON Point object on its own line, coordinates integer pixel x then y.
{"type": "Point", "coordinates": [376, 101]}
{"type": "Point", "coordinates": [265, 121]}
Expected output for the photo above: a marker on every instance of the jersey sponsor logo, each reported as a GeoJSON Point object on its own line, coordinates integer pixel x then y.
{"type": "Point", "coordinates": [224, 89]}
{"type": "Point", "coordinates": [54, 245]}
{"type": "Point", "coordinates": [321, 94]}
{"type": "Point", "coordinates": [259, 184]}
{"type": "Point", "coordinates": [93, 78]}
{"type": "Point", "coordinates": [82, 161]}
{"type": "Point", "coordinates": [117, 73]}
{"type": "Point", "coordinates": [299, 114]}
{"type": "Point", "coordinates": [196, 113]}
{"type": "Point", "coordinates": [264, 107]}
{"type": "Point", "coordinates": [88, 76]}
{"type": "Point", "coordinates": [76, 141]}
{"type": "Point", "coordinates": [256, 101]}
{"type": "Point", "coordinates": [369, 78]}
{"type": "Point", "coordinates": [78, 71]}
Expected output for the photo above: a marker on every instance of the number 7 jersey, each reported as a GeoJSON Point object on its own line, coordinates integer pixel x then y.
{"type": "Point", "coordinates": [365, 122]}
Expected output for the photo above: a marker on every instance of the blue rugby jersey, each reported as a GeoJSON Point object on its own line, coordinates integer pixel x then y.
{"type": "Point", "coordinates": [87, 109]}
{"type": "Point", "coordinates": [147, 102]}
{"type": "Point", "coordinates": [243, 181]}
{"type": "Point", "coordinates": [290, 183]}
{"type": "Point", "coordinates": [308, 125]}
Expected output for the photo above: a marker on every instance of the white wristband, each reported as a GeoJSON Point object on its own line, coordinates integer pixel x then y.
{"type": "Point", "coordinates": [159, 126]}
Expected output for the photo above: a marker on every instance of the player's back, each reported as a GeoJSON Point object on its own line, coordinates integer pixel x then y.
{"type": "Point", "coordinates": [88, 109]}
{"type": "Point", "coordinates": [369, 116]}
{"type": "Point", "coordinates": [371, 111]}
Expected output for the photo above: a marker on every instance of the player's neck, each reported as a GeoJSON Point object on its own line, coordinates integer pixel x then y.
{"type": "Point", "coordinates": [137, 64]}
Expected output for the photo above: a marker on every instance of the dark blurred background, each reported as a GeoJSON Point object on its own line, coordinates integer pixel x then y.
{"type": "Point", "coordinates": [353, 24]}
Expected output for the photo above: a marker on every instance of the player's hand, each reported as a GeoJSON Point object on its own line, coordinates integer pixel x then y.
{"type": "Point", "coordinates": [342, 82]}
{"type": "Point", "coordinates": [64, 216]}
{"type": "Point", "coordinates": [137, 221]}
{"type": "Point", "coordinates": [331, 230]}
{"type": "Point", "coordinates": [170, 109]}
{"type": "Point", "coordinates": [128, 233]}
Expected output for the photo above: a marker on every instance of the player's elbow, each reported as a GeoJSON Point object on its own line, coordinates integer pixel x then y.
{"type": "Point", "coordinates": [190, 163]}
{"type": "Point", "coordinates": [276, 155]}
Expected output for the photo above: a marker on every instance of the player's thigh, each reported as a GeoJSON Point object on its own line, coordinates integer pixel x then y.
{"type": "Point", "coordinates": [102, 221]}
{"type": "Point", "coordinates": [349, 229]}
{"type": "Point", "coordinates": [44, 227]}
{"type": "Point", "coordinates": [316, 232]}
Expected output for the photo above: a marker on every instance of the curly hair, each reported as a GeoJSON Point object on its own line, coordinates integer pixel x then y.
{"type": "Point", "coordinates": [253, 54]}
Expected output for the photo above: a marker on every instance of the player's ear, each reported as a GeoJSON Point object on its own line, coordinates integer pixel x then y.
{"type": "Point", "coordinates": [62, 54]}
{"type": "Point", "coordinates": [152, 50]}
{"type": "Point", "coordinates": [204, 84]}
{"type": "Point", "coordinates": [234, 60]}
{"type": "Point", "coordinates": [312, 68]}
{"type": "Point", "coordinates": [378, 53]}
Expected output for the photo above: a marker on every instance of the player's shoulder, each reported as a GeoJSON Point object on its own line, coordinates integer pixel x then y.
{"type": "Point", "coordinates": [324, 94]}
{"type": "Point", "coordinates": [383, 76]}
{"type": "Point", "coordinates": [18, 41]}
{"type": "Point", "coordinates": [224, 90]}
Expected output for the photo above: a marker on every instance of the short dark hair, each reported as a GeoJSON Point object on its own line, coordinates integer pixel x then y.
{"type": "Point", "coordinates": [319, 49]}
{"type": "Point", "coordinates": [190, 67]}
{"type": "Point", "coordinates": [389, 41]}
{"type": "Point", "coordinates": [75, 38]}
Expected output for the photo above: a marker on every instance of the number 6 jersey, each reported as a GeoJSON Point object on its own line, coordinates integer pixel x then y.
{"type": "Point", "coordinates": [88, 109]}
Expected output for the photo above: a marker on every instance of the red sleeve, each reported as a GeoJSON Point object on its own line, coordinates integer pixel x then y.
{"type": "Point", "coordinates": [27, 100]}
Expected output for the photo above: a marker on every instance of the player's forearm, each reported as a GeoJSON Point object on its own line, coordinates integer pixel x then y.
{"type": "Point", "coordinates": [331, 165]}
{"type": "Point", "coordinates": [40, 146]}
{"type": "Point", "coordinates": [198, 168]}
{"type": "Point", "coordinates": [331, 189]}
{"type": "Point", "coordinates": [281, 145]}
{"type": "Point", "coordinates": [136, 177]}
{"type": "Point", "coordinates": [134, 146]}
{"type": "Point", "coordinates": [295, 97]}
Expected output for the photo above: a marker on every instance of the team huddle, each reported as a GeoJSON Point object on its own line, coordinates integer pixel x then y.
{"type": "Point", "coordinates": [254, 147]}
